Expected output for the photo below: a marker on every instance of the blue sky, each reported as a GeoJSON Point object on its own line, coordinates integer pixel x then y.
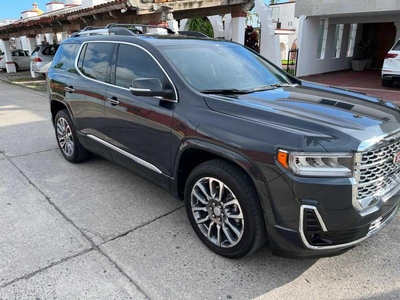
{"type": "Point", "coordinates": [12, 9]}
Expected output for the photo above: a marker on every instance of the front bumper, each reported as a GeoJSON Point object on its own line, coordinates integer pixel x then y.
{"type": "Point", "coordinates": [316, 218]}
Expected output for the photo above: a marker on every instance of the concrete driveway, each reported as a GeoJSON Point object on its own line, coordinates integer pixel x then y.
{"type": "Point", "coordinates": [97, 231]}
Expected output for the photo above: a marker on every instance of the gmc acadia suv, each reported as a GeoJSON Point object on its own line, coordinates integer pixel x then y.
{"type": "Point", "coordinates": [253, 152]}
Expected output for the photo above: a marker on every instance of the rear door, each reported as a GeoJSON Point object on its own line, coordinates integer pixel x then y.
{"type": "Point", "coordinates": [22, 59]}
{"type": "Point", "coordinates": [86, 89]}
{"type": "Point", "coordinates": [17, 59]}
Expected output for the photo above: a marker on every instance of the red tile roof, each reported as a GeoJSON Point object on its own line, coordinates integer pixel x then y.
{"type": "Point", "coordinates": [64, 14]}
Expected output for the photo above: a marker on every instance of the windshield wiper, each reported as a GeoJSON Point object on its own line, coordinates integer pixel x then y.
{"type": "Point", "coordinates": [270, 87]}
{"type": "Point", "coordinates": [226, 91]}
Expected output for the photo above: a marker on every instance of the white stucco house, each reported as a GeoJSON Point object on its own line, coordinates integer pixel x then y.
{"type": "Point", "coordinates": [286, 26]}
{"type": "Point", "coordinates": [330, 31]}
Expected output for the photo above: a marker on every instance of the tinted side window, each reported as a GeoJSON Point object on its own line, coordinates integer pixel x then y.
{"type": "Point", "coordinates": [65, 58]}
{"type": "Point", "coordinates": [132, 63]}
{"type": "Point", "coordinates": [49, 50]}
{"type": "Point", "coordinates": [97, 60]}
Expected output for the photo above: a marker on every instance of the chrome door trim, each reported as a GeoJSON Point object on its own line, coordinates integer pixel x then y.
{"type": "Point", "coordinates": [133, 157]}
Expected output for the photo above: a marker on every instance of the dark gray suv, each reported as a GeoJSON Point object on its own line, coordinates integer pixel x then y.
{"type": "Point", "coordinates": [255, 153]}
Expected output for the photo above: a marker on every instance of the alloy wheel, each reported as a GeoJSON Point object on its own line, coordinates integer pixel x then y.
{"type": "Point", "coordinates": [217, 212]}
{"type": "Point", "coordinates": [65, 137]}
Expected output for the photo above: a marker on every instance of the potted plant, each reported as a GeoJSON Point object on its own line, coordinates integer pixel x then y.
{"type": "Point", "coordinates": [359, 63]}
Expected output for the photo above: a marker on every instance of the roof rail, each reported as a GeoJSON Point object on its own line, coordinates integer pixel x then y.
{"type": "Point", "coordinates": [130, 29]}
{"type": "Point", "coordinates": [103, 31]}
{"type": "Point", "coordinates": [193, 33]}
{"type": "Point", "coordinates": [144, 27]}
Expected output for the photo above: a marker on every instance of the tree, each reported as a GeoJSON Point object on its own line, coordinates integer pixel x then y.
{"type": "Point", "coordinates": [252, 18]}
{"type": "Point", "coordinates": [251, 38]}
{"type": "Point", "coordinates": [202, 25]}
{"type": "Point", "coordinates": [273, 1]}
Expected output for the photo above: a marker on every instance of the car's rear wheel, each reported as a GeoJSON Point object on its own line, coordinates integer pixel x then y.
{"type": "Point", "coordinates": [16, 67]}
{"type": "Point", "coordinates": [224, 210]}
{"type": "Point", "coordinates": [67, 138]}
{"type": "Point", "coordinates": [387, 82]}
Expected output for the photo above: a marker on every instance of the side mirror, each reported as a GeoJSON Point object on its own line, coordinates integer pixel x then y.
{"type": "Point", "coordinates": [150, 87]}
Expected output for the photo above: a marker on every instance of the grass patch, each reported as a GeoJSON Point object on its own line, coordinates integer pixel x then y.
{"type": "Point", "coordinates": [37, 85]}
{"type": "Point", "coordinates": [288, 62]}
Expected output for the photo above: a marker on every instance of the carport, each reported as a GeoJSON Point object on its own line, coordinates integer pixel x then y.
{"type": "Point", "coordinates": [332, 32]}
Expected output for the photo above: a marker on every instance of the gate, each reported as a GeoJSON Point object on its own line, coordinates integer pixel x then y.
{"type": "Point", "coordinates": [291, 66]}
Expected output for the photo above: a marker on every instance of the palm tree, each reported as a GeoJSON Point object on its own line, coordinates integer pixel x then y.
{"type": "Point", "coordinates": [252, 17]}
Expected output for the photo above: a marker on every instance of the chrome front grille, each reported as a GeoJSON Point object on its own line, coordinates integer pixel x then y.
{"type": "Point", "coordinates": [377, 173]}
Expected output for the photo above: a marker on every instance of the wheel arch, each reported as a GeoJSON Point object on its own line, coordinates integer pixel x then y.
{"type": "Point", "coordinates": [193, 152]}
{"type": "Point", "coordinates": [55, 107]}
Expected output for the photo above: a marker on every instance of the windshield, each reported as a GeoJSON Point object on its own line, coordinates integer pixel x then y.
{"type": "Point", "coordinates": [223, 66]}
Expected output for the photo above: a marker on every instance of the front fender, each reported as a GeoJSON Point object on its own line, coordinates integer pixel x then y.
{"type": "Point", "coordinates": [249, 167]}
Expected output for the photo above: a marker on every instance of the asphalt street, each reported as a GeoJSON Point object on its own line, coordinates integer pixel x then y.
{"type": "Point", "coordinates": [97, 231]}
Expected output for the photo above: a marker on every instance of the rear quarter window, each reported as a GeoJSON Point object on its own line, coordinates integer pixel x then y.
{"type": "Point", "coordinates": [65, 58]}
{"type": "Point", "coordinates": [35, 52]}
{"type": "Point", "coordinates": [396, 46]}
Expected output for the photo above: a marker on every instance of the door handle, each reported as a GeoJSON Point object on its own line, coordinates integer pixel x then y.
{"type": "Point", "coordinates": [69, 89]}
{"type": "Point", "coordinates": [112, 101]}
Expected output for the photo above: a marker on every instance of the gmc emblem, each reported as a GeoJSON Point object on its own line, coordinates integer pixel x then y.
{"type": "Point", "coordinates": [396, 158]}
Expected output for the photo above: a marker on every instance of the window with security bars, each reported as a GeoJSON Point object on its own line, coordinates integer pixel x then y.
{"type": "Point", "coordinates": [322, 35]}
{"type": "Point", "coordinates": [338, 40]}
{"type": "Point", "coordinates": [352, 40]}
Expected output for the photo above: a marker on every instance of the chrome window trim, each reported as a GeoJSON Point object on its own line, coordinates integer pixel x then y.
{"type": "Point", "coordinates": [372, 230]}
{"type": "Point", "coordinates": [113, 85]}
{"type": "Point", "coordinates": [133, 157]}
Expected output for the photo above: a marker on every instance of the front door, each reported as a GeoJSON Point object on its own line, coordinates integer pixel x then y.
{"type": "Point", "coordinates": [139, 127]}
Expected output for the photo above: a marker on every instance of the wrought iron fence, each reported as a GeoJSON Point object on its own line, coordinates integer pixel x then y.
{"type": "Point", "coordinates": [291, 65]}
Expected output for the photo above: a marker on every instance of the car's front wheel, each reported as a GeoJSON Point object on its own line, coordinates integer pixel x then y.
{"type": "Point", "coordinates": [67, 139]}
{"type": "Point", "coordinates": [224, 210]}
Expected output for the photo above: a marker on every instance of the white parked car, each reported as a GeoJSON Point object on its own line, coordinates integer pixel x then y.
{"type": "Point", "coordinates": [42, 57]}
{"type": "Point", "coordinates": [391, 65]}
{"type": "Point", "coordinates": [21, 60]}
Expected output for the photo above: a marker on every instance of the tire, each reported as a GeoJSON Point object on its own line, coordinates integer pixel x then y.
{"type": "Point", "coordinates": [387, 82]}
{"type": "Point", "coordinates": [16, 67]}
{"type": "Point", "coordinates": [237, 215]}
{"type": "Point", "coordinates": [67, 139]}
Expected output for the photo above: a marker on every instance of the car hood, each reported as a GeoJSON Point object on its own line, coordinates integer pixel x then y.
{"type": "Point", "coordinates": [346, 117]}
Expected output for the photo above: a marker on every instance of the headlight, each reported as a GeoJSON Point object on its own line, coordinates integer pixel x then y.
{"type": "Point", "coordinates": [317, 164]}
